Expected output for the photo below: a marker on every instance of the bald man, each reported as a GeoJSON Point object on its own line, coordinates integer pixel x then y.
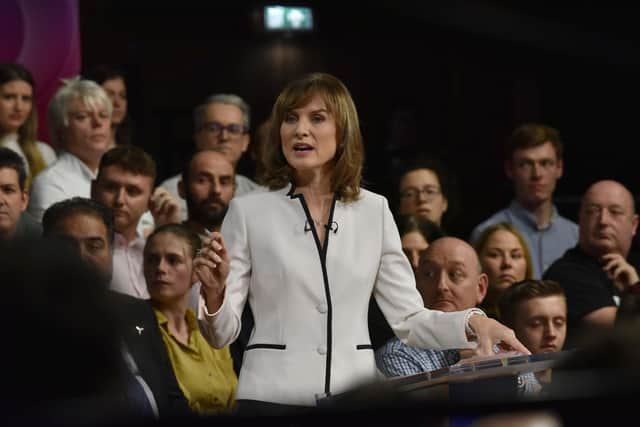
{"type": "Point", "coordinates": [598, 269]}
{"type": "Point", "coordinates": [449, 278]}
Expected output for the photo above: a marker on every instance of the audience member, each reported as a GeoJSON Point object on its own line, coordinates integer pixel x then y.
{"type": "Point", "coordinates": [207, 186]}
{"type": "Point", "coordinates": [205, 374]}
{"type": "Point", "coordinates": [596, 271]}
{"type": "Point", "coordinates": [534, 162]}
{"type": "Point", "coordinates": [89, 226]}
{"type": "Point", "coordinates": [14, 197]}
{"type": "Point", "coordinates": [537, 312]}
{"type": "Point", "coordinates": [425, 190]}
{"type": "Point", "coordinates": [221, 123]}
{"type": "Point", "coordinates": [416, 233]}
{"type": "Point", "coordinates": [19, 120]}
{"type": "Point", "coordinates": [62, 355]}
{"type": "Point", "coordinates": [504, 256]}
{"type": "Point", "coordinates": [124, 185]}
{"type": "Point", "coordinates": [79, 117]}
{"type": "Point", "coordinates": [309, 301]}
{"type": "Point", "coordinates": [449, 278]}
{"type": "Point", "coordinates": [112, 79]}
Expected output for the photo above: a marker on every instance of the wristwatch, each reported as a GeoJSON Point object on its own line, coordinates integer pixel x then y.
{"type": "Point", "coordinates": [467, 328]}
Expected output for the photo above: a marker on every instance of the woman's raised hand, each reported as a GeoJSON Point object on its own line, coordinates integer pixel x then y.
{"type": "Point", "coordinates": [211, 268]}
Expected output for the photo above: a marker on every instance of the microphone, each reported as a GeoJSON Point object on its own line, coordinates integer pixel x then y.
{"type": "Point", "coordinates": [307, 226]}
{"type": "Point", "coordinates": [332, 227]}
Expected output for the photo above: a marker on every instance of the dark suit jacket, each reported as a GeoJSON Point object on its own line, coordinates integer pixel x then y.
{"type": "Point", "coordinates": [139, 330]}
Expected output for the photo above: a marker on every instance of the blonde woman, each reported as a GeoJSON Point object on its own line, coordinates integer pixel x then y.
{"type": "Point", "coordinates": [505, 259]}
{"type": "Point", "coordinates": [19, 121]}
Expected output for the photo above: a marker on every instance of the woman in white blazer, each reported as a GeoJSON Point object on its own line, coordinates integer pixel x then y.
{"type": "Point", "coordinates": [308, 256]}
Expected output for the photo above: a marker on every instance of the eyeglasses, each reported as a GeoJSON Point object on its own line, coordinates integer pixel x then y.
{"type": "Point", "coordinates": [430, 193]}
{"type": "Point", "coordinates": [216, 128]}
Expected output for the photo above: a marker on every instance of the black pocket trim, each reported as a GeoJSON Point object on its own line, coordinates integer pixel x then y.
{"type": "Point", "coordinates": [269, 346]}
{"type": "Point", "coordinates": [364, 347]}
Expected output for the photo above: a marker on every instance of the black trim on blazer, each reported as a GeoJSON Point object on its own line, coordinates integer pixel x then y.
{"type": "Point", "coordinates": [322, 251]}
{"type": "Point", "coordinates": [269, 346]}
{"type": "Point", "coordinates": [364, 347]}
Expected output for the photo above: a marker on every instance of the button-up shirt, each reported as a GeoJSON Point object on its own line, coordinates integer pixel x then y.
{"type": "Point", "coordinates": [67, 177]}
{"type": "Point", "coordinates": [128, 275]}
{"type": "Point", "coordinates": [205, 374]}
{"type": "Point", "coordinates": [545, 244]}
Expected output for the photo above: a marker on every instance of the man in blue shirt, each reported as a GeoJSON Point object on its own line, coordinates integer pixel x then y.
{"type": "Point", "coordinates": [534, 163]}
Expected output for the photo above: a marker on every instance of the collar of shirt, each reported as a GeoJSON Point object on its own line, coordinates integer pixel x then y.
{"type": "Point", "coordinates": [528, 218]}
{"type": "Point", "coordinates": [120, 241]}
{"type": "Point", "coordinates": [192, 323]}
{"type": "Point", "coordinates": [73, 163]}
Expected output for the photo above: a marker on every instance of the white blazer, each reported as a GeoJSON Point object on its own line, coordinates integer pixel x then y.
{"type": "Point", "coordinates": [311, 336]}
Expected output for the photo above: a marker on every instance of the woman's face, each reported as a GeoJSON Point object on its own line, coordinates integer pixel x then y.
{"type": "Point", "coordinates": [413, 245]}
{"type": "Point", "coordinates": [421, 195]}
{"type": "Point", "coordinates": [16, 103]}
{"type": "Point", "coordinates": [308, 137]}
{"type": "Point", "coordinates": [117, 92]}
{"type": "Point", "coordinates": [503, 260]}
{"type": "Point", "coordinates": [167, 268]}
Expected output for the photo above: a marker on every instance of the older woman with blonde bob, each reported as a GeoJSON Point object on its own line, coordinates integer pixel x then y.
{"type": "Point", "coordinates": [309, 254]}
{"type": "Point", "coordinates": [505, 259]}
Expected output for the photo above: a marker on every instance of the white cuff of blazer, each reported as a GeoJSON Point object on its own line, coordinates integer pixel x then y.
{"type": "Point", "coordinates": [467, 328]}
{"type": "Point", "coordinates": [204, 305]}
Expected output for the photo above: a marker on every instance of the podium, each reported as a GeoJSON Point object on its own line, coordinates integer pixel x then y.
{"type": "Point", "coordinates": [482, 381]}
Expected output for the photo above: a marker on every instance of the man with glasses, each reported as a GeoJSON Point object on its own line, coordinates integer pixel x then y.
{"type": "Point", "coordinates": [221, 123]}
{"type": "Point", "coordinates": [534, 163]}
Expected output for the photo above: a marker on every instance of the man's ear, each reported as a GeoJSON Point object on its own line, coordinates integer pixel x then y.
{"type": "Point", "coordinates": [560, 168]}
{"type": "Point", "coordinates": [483, 285]}
{"type": "Point", "coordinates": [181, 191]}
{"type": "Point", "coordinates": [245, 142]}
{"type": "Point", "coordinates": [25, 200]}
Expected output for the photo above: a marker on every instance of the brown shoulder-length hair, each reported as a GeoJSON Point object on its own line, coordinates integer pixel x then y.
{"type": "Point", "coordinates": [482, 241]}
{"type": "Point", "coordinates": [347, 163]}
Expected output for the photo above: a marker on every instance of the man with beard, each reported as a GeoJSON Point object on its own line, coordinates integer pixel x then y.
{"type": "Point", "coordinates": [207, 186]}
{"type": "Point", "coordinates": [124, 184]}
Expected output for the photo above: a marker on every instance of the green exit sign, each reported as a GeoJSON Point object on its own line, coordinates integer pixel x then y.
{"type": "Point", "coordinates": [278, 18]}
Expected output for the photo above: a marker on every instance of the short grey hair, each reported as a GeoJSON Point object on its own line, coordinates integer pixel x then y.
{"type": "Point", "coordinates": [89, 92]}
{"type": "Point", "coordinates": [222, 98]}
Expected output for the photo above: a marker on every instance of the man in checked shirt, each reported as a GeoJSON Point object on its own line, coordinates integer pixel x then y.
{"type": "Point", "coordinates": [449, 278]}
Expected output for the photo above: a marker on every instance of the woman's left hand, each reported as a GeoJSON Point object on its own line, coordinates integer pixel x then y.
{"type": "Point", "coordinates": [490, 332]}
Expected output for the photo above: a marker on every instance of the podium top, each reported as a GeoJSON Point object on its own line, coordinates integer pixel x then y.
{"type": "Point", "coordinates": [479, 369]}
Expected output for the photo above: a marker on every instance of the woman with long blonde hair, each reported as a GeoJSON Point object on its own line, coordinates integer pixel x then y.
{"type": "Point", "coordinates": [19, 121]}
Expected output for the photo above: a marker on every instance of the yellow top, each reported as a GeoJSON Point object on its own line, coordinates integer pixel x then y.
{"type": "Point", "coordinates": [205, 374]}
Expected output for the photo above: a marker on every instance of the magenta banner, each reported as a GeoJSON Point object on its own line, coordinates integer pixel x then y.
{"type": "Point", "coordinates": [44, 36]}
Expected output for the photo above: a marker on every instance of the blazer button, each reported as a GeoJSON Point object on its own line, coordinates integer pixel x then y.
{"type": "Point", "coordinates": [322, 350]}
{"type": "Point", "coordinates": [322, 308]}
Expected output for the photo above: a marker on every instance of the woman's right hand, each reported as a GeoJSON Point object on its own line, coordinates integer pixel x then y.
{"type": "Point", "coordinates": [211, 269]}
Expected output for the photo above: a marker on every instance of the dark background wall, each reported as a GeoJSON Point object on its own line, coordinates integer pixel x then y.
{"type": "Point", "coordinates": [450, 78]}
